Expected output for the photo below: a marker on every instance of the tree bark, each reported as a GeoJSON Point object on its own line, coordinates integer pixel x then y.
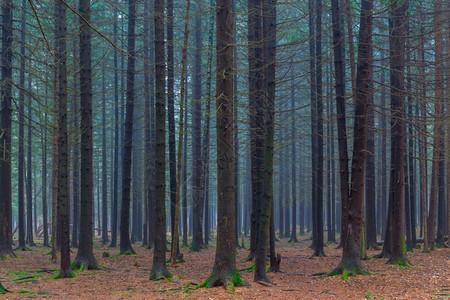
{"type": "Point", "coordinates": [63, 165]}
{"type": "Point", "coordinates": [5, 129]}
{"type": "Point", "coordinates": [85, 256]}
{"type": "Point", "coordinates": [224, 270]}
{"type": "Point", "coordinates": [159, 268]}
{"type": "Point", "coordinates": [352, 193]}
{"type": "Point", "coordinates": [125, 245]}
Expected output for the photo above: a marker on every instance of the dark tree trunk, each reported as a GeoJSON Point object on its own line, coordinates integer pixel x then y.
{"type": "Point", "coordinates": [352, 193]}
{"type": "Point", "coordinates": [318, 149]}
{"type": "Point", "coordinates": [105, 238]}
{"type": "Point", "coordinates": [206, 138]}
{"type": "Point", "coordinates": [85, 255]}
{"type": "Point", "coordinates": [184, 180]}
{"type": "Point", "coordinates": [438, 125]}
{"type": "Point", "coordinates": [397, 251]}
{"type": "Point", "coordinates": [224, 271]}
{"type": "Point", "coordinates": [44, 177]}
{"type": "Point", "coordinates": [281, 195]}
{"type": "Point", "coordinates": [266, 206]}
{"type": "Point", "coordinates": [159, 268]}
{"type": "Point", "coordinates": [197, 166]}
{"type": "Point", "coordinates": [115, 192]}
{"type": "Point", "coordinates": [256, 99]}
{"type": "Point", "coordinates": [125, 245]}
{"type": "Point", "coordinates": [63, 162]}
{"type": "Point", "coordinates": [371, 229]}
{"type": "Point", "coordinates": [5, 129]}
{"type": "Point", "coordinates": [29, 239]}
{"type": "Point", "coordinates": [75, 160]}
{"type": "Point", "coordinates": [21, 157]}
{"type": "Point", "coordinates": [171, 116]}
{"type": "Point", "coordinates": [293, 236]}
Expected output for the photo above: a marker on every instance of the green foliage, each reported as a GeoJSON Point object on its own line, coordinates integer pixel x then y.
{"type": "Point", "coordinates": [345, 275]}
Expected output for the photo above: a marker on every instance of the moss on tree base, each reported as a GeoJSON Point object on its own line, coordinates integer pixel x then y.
{"type": "Point", "coordinates": [348, 268]}
{"type": "Point", "coordinates": [399, 261]}
{"type": "Point", "coordinates": [160, 273]}
{"type": "Point", "coordinates": [228, 281]}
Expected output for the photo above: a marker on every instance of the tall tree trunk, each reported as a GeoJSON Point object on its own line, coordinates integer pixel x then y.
{"type": "Point", "coordinates": [371, 229]}
{"type": "Point", "coordinates": [293, 237]}
{"type": "Point", "coordinates": [125, 245]}
{"type": "Point", "coordinates": [171, 117]}
{"type": "Point", "coordinates": [184, 180]}
{"type": "Point", "coordinates": [397, 177]}
{"type": "Point", "coordinates": [207, 126]}
{"type": "Point", "coordinates": [75, 159]}
{"type": "Point", "coordinates": [63, 165]}
{"type": "Point", "coordinates": [115, 192]}
{"type": "Point", "coordinates": [256, 99]}
{"type": "Point", "coordinates": [197, 166]}
{"type": "Point", "coordinates": [5, 129]}
{"type": "Point", "coordinates": [29, 239]}
{"type": "Point", "coordinates": [159, 268]}
{"type": "Point", "coordinates": [85, 255]}
{"type": "Point", "coordinates": [175, 253]}
{"type": "Point", "coordinates": [105, 237]}
{"type": "Point", "coordinates": [224, 270]}
{"type": "Point", "coordinates": [438, 125]}
{"type": "Point", "coordinates": [44, 177]}
{"type": "Point", "coordinates": [21, 154]}
{"type": "Point", "coordinates": [352, 193]}
{"type": "Point", "coordinates": [266, 206]}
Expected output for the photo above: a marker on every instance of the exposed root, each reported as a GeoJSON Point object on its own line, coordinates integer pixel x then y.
{"type": "Point", "coordinates": [3, 290]}
{"type": "Point", "coordinates": [228, 281]}
{"type": "Point", "coordinates": [400, 261]}
{"type": "Point", "coordinates": [160, 273]}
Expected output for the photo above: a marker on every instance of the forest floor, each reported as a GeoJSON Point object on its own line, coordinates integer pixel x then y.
{"type": "Point", "coordinates": [29, 275]}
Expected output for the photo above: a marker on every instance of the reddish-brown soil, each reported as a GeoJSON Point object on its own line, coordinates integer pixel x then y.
{"type": "Point", "coordinates": [29, 275]}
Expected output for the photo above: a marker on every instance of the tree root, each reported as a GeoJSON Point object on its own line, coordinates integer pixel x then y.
{"type": "Point", "coordinates": [228, 281]}
{"type": "Point", "coordinates": [346, 269]}
{"type": "Point", "coordinates": [3, 290]}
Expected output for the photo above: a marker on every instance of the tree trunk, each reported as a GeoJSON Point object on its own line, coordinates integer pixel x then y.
{"type": "Point", "coordinates": [256, 99]}
{"type": "Point", "coordinates": [125, 245]}
{"type": "Point", "coordinates": [438, 125]}
{"type": "Point", "coordinates": [171, 117]}
{"type": "Point", "coordinates": [224, 271]}
{"type": "Point", "coordinates": [175, 253]}
{"type": "Point", "coordinates": [63, 165]}
{"type": "Point", "coordinates": [266, 206]}
{"type": "Point", "coordinates": [21, 155]}
{"type": "Point", "coordinates": [115, 192]}
{"type": "Point", "coordinates": [105, 238]}
{"type": "Point", "coordinates": [29, 239]}
{"type": "Point", "coordinates": [159, 268]}
{"type": "Point", "coordinates": [352, 193]}
{"type": "Point", "coordinates": [5, 129]}
{"type": "Point", "coordinates": [85, 256]}
{"type": "Point", "coordinates": [293, 237]}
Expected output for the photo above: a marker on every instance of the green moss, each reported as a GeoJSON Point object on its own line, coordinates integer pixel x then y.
{"type": "Point", "coordinates": [345, 275]}
{"type": "Point", "coordinates": [236, 278]}
{"type": "Point", "coordinates": [26, 292]}
{"type": "Point", "coordinates": [128, 252]}
{"type": "Point", "coordinates": [203, 284]}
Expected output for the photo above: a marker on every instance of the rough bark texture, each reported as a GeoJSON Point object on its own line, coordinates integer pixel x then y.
{"type": "Point", "coordinates": [63, 165]}
{"type": "Point", "coordinates": [5, 129]}
{"type": "Point", "coordinates": [224, 271]}
{"type": "Point", "coordinates": [105, 237]}
{"type": "Point", "coordinates": [256, 99]}
{"type": "Point", "coordinates": [197, 163]}
{"type": "Point", "coordinates": [352, 194]}
{"type": "Point", "coordinates": [21, 157]}
{"type": "Point", "coordinates": [85, 256]}
{"type": "Point", "coordinates": [397, 177]}
{"type": "Point", "coordinates": [159, 268]}
{"type": "Point", "coordinates": [266, 207]}
{"type": "Point", "coordinates": [115, 194]}
{"type": "Point", "coordinates": [438, 125]}
{"type": "Point", "coordinates": [125, 245]}
{"type": "Point", "coordinates": [171, 117]}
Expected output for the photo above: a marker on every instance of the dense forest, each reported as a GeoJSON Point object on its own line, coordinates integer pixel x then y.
{"type": "Point", "coordinates": [161, 130]}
